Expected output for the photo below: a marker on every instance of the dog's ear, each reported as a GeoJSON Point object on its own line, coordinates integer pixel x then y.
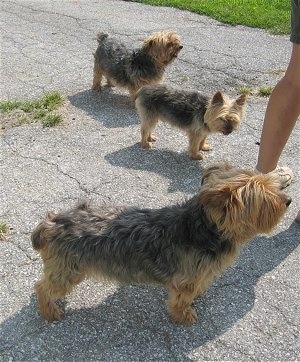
{"type": "Point", "coordinates": [50, 215]}
{"type": "Point", "coordinates": [217, 99]}
{"type": "Point", "coordinates": [150, 43]}
{"type": "Point", "coordinates": [241, 100]}
{"type": "Point", "coordinates": [214, 197]}
{"type": "Point", "coordinates": [222, 205]}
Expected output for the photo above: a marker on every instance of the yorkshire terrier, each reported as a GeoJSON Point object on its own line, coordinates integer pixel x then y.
{"type": "Point", "coordinates": [183, 247]}
{"type": "Point", "coordinates": [132, 69]}
{"type": "Point", "coordinates": [190, 111]}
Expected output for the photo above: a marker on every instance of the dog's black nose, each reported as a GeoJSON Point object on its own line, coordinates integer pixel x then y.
{"type": "Point", "coordinates": [181, 46]}
{"type": "Point", "coordinates": [288, 201]}
{"type": "Point", "coordinates": [229, 128]}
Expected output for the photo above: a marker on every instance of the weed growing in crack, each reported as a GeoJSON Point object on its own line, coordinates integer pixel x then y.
{"type": "Point", "coordinates": [3, 230]}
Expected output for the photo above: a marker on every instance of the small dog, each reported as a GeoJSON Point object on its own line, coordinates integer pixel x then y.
{"type": "Point", "coordinates": [183, 247]}
{"type": "Point", "coordinates": [134, 68]}
{"type": "Point", "coordinates": [190, 111]}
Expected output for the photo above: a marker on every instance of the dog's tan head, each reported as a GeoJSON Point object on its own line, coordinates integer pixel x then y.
{"type": "Point", "coordinates": [242, 203]}
{"type": "Point", "coordinates": [223, 114]}
{"type": "Point", "coordinates": [163, 47]}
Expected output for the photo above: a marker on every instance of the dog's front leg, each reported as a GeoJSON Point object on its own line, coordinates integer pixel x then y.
{"type": "Point", "coordinates": [204, 146]}
{"type": "Point", "coordinates": [195, 139]}
{"type": "Point", "coordinates": [179, 304]}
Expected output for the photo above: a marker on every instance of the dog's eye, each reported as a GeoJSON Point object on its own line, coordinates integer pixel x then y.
{"type": "Point", "coordinates": [224, 120]}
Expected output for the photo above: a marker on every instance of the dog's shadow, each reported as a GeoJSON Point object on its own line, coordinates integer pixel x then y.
{"type": "Point", "coordinates": [109, 107]}
{"type": "Point", "coordinates": [133, 321]}
{"type": "Point", "coordinates": [166, 163]}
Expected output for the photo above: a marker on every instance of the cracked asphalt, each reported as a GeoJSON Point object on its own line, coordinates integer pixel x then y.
{"type": "Point", "coordinates": [252, 312]}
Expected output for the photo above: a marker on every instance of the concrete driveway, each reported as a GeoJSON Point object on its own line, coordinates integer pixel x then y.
{"type": "Point", "coordinates": [252, 312]}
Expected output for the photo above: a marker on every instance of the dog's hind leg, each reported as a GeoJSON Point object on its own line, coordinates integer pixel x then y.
{"type": "Point", "coordinates": [179, 304]}
{"type": "Point", "coordinates": [147, 127]}
{"type": "Point", "coordinates": [109, 83]}
{"type": "Point", "coordinates": [98, 73]}
{"type": "Point", "coordinates": [132, 92]}
{"type": "Point", "coordinates": [52, 286]}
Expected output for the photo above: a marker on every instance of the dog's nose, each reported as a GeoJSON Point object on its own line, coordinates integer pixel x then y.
{"type": "Point", "coordinates": [181, 46]}
{"type": "Point", "coordinates": [229, 128]}
{"type": "Point", "coordinates": [288, 201]}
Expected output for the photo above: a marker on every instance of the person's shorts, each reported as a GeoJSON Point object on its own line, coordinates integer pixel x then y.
{"type": "Point", "coordinates": [295, 21]}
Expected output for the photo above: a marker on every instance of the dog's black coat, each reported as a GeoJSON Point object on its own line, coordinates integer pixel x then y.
{"type": "Point", "coordinates": [124, 65]}
{"type": "Point", "coordinates": [147, 243]}
{"type": "Point", "coordinates": [181, 107]}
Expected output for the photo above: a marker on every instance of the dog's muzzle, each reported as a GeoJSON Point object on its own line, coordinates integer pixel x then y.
{"type": "Point", "coordinates": [175, 55]}
{"type": "Point", "coordinates": [288, 201]}
{"type": "Point", "coordinates": [227, 130]}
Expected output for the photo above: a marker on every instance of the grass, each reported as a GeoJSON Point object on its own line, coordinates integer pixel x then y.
{"type": "Point", "coordinates": [51, 120]}
{"type": "Point", "coordinates": [23, 112]}
{"type": "Point", "coordinates": [273, 15]}
{"type": "Point", "coordinates": [265, 91]}
{"type": "Point", "coordinates": [262, 91]}
{"type": "Point", "coordinates": [246, 90]}
{"type": "Point", "coordinates": [47, 103]}
{"type": "Point", "coordinates": [3, 230]}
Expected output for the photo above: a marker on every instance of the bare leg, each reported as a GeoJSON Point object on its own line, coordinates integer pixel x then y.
{"type": "Point", "coordinates": [281, 115]}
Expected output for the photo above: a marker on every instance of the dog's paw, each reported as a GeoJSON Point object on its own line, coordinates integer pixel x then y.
{"type": "Point", "coordinates": [152, 138]}
{"type": "Point", "coordinates": [196, 155]}
{"type": "Point", "coordinates": [51, 313]}
{"type": "Point", "coordinates": [187, 316]}
{"type": "Point", "coordinates": [206, 147]}
{"type": "Point", "coordinates": [146, 145]}
{"type": "Point", "coordinates": [96, 88]}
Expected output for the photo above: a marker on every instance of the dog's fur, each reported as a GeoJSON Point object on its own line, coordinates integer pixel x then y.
{"type": "Point", "coordinates": [194, 113]}
{"type": "Point", "coordinates": [183, 247]}
{"type": "Point", "coordinates": [134, 68]}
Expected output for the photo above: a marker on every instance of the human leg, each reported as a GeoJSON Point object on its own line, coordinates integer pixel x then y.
{"type": "Point", "coordinates": [281, 115]}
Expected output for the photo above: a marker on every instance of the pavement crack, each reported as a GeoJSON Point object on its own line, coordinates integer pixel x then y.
{"type": "Point", "coordinates": [24, 251]}
{"type": "Point", "coordinates": [286, 319]}
{"type": "Point", "coordinates": [81, 187]}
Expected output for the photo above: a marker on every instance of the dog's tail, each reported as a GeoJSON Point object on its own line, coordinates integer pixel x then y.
{"type": "Point", "coordinates": [42, 233]}
{"type": "Point", "coordinates": [101, 36]}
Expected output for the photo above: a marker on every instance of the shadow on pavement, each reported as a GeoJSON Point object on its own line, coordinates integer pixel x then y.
{"type": "Point", "coordinates": [166, 163]}
{"type": "Point", "coordinates": [112, 109]}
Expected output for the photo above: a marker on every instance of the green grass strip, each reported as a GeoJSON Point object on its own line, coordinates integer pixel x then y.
{"type": "Point", "coordinates": [273, 15]}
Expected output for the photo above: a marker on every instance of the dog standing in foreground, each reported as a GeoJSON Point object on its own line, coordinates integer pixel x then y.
{"type": "Point", "coordinates": [132, 69]}
{"type": "Point", "coordinates": [194, 113]}
{"type": "Point", "coordinates": [183, 247]}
